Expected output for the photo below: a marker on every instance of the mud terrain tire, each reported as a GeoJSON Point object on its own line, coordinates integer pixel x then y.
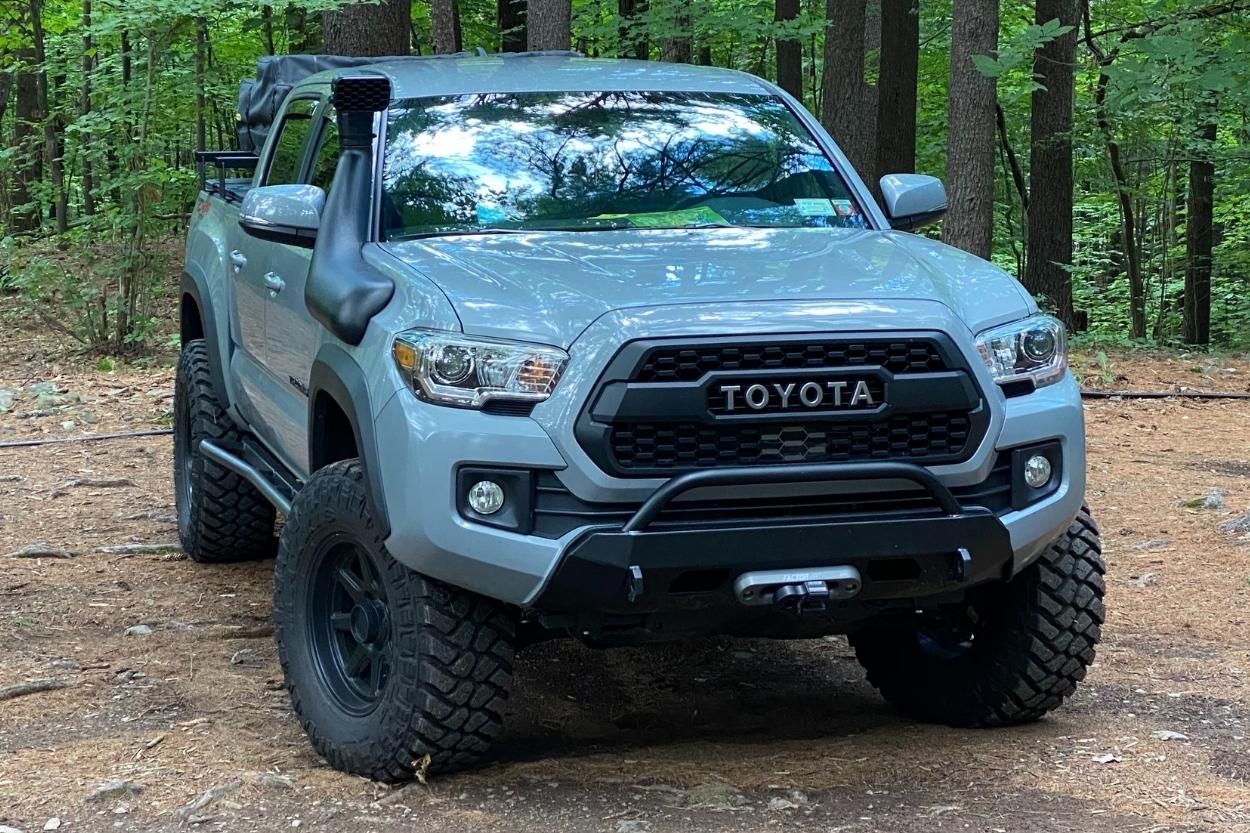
{"type": "Point", "coordinates": [221, 517]}
{"type": "Point", "coordinates": [383, 665]}
{"type": "Point", "coordinates": [1031, 643]}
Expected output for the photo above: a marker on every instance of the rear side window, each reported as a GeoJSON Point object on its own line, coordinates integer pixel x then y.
{"type": "Point", "coordinates": [288, 147]}
{"type": "Point", "coordinates": [326, 159]}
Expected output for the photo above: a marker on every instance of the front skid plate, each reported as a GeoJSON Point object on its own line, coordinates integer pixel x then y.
{"type": "Point", "coordinates": [913, 558]}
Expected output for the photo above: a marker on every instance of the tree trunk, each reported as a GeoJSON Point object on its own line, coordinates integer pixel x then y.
{"type": "Point", "coordinates": [88, 66]}
{"type": "Point", "coordinates": [547, 24]}
{"type": "Point", "coordinates": [29, 168]}
{"type": "Point", "coordinates": [971, 122]}
{"type": "Point", "coordinates": [51, 144]}
{"type": "Point", "coordinates": [633, 37]}
{"type": "Point", "coordinates": [445, 26]}
{"type": "Point", "coordinates": [369, 29]}
{"type": "Point", "coordinates": [789, 51]}
{"type": "Point", "coordinates": [848, 108]}
{"type": "Point", "coordinates": [678, 49]}
{"type": "Point", "coordinates": [266, 29]}
{"type": "Point", "coordinates": [896, 86]}
{"type": "Point", "coordinates": [201, 47]}
{"type": "Point", "coordinates": [510, 15]}
{"type": "Point", "coordinates": [1049, 259]}
{"type": "Point", "coordinates": [1198, 241]}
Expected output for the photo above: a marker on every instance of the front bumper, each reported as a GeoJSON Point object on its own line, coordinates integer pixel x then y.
{"type": "Point", "coordinates": [636, 570]}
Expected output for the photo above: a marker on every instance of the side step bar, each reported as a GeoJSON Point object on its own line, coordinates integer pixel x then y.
{"type": "Point", "coordinates": [275, 494]}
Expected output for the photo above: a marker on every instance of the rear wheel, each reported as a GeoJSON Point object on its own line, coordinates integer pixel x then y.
{"type": "Point", "coordinates": [221, 516]}
{"type": "Point", "coordinates": [384, 666]}
{"type": "Point", "coordinates": [1009, 654]}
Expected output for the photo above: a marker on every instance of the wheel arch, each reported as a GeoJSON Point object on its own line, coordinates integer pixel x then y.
{"type": "Point", "coordinates": [340, 422]}
{"type": "Point", "coordinates": [198, 319]}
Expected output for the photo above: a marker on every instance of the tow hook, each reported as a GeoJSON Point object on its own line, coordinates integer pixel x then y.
{"type": "Point", "coordinates": [799, 590]}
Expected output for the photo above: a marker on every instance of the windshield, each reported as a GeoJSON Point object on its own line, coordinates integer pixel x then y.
{"type": "Point", "coordinates": [583, 161]}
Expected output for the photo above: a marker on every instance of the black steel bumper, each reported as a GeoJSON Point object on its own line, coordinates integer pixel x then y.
{"type": "Point", "coordinates": [631, 570]}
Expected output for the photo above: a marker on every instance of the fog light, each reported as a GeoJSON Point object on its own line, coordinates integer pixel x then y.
{"type": "Point", "coordinates": [1036, 471]}
{"type": "Point", "coordinates": [486, 497]}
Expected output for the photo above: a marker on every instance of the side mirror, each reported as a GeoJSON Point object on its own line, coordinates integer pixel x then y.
{"type": "Point", "coordinates": [288, 214]}
{"type": "Point", "coordinates": [912, 200]}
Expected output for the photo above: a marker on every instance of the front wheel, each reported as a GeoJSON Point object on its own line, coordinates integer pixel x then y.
{"type": "Point", "coordinates": [1009, 654]}
{"type": "Point", "coordinates": [384, 666]}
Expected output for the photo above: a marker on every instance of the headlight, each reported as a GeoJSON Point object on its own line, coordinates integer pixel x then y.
{"type": "Point", "coordinates": [451, 369]}
{"type": "Point", "coordinates": [1035, 348]}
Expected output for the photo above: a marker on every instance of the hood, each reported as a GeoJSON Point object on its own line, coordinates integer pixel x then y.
{"type": "Point", "coordinates": [549, 286]}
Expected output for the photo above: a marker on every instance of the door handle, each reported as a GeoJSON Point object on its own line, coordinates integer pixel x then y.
{"type": "Point", "coordinates": [275, 283]}
{"type": "Point", "coordinates": [238, 261]}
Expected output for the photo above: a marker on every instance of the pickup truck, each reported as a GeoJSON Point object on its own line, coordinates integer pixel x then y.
{"type": "Point", "coordinates": [536, 346]}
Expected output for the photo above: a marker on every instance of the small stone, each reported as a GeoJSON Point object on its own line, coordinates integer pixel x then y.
{"type": "Point", "coordinates": [1144, 580]}
{"type": "Point", "coordinates": [38, 388]}
{"type": "Point", "coordinates": [115, 788]}
{"type": "Point", "coordinates": [138, 630]}
{"type": "Point", "coordinates": [715, 796]}
{"type": "Point", "coordinates": [778, 804]}
{"type": "Point", "coordinates": [53, 823]}
{"type": "Point", "coordinates": [4, 828]}
{"type": "Point", "coordinates": [272, 779]}
{"type": "Point", "coordinates": [632, 826]}
{"type": "Point", "coordinates": [7, 397]}
{"type": "Point", "coordinates": [1168, 734]}
{"type": "Point", "coordinates": [1107, 758]}
{"type": "Point", "coordinates": [1214, 499]}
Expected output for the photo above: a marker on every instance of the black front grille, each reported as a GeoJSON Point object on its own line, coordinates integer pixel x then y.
{"type": "Point", "coordinates": [664, 407]}
{"type": "Point", "coordinates": [688, 364]}
{"type": "Point", "coordinates": [682, 445]}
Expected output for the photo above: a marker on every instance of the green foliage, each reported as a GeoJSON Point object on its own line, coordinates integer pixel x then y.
{"type": "Point", "coordinates": [103, 279]}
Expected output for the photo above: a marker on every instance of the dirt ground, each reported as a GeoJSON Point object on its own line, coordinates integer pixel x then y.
{"type": "Point", "coordinates": [172, 688]}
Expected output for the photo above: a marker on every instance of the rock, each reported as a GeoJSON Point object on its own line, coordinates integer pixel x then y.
{"type": "Point", "coordinates": [1144, 580]}
{"type": "Point", "coordinates": [1214, 500]}
{"type": "Point", "coordinates": [38, 388]}
{"type": "Point", "coordinates": [632, 826]}
{"type": "Point", "coordinates": [1168, 734]}
{"type": "Point", "coordinates": [7, 397]}
{"type": "Point", "coordinates": [4, 828]}
{"type": "Point", "coordinates": [138, 630]}
{"type": "Point", "coordinates": [715, 796]}
{"type": "Point", "coordinates": [114, 788]}
{"type": "Point", "coordinates": [53, 823]}
{"type": "Point", "coordinates": [273, 779]}
{"type": "Point", "coordinates": [1238, 526]}
{"type": "Point", "coordinates": [1107, 758]}
{"type": "Point", "coordinates": [43, 550]}
{"type": "Point", "coordinates": [241, 656]}
{"type": "Point", "coordinates": [778, 804]}
{"type": "Point", "coordinates": [1152, 544]}
{"type": "Point", "coordinates": [190, 810]}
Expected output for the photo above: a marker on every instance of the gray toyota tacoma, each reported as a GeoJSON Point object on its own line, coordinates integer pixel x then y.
{"type": "Point", "coordinates": [535, 346]}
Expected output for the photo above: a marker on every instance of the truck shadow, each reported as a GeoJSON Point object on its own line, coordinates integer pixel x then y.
{"type": "Point", "coordinates": [570, 700]}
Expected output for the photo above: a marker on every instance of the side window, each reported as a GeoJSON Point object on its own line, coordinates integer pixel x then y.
{"type": "Point", "coordinates": [288, 147]}
{"type": "Point", "coordinates": [326, 159]}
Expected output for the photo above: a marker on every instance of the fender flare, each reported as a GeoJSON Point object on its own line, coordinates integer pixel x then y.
{"type": "Point", "coordinates": [196, 286]}
{"type": "Point", "coordinates": [337, 375]}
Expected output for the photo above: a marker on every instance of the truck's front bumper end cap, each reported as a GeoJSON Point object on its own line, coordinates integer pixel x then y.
{"type": "Point", "coordinates": [613, 570]}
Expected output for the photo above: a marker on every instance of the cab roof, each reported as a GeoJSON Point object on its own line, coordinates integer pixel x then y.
{"type": "Point", "coordinates": [464, 74]}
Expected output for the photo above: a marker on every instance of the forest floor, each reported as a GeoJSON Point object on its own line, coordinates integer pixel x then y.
{"type": "Point", "coordinates": [172, 690]}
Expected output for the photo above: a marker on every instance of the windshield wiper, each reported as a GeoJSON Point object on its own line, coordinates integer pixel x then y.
{"type": "Point", "coordinates": [424, 235]}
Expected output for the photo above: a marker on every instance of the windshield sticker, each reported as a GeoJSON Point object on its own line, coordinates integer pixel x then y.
{"type": "Point", "coordinates": [810, 207]}
{"type": "Point", "coordinates": [844, 208]}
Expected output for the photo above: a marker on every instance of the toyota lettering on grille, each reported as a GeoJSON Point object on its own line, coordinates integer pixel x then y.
{"type": "Point", "coordinates": [798, 395]}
